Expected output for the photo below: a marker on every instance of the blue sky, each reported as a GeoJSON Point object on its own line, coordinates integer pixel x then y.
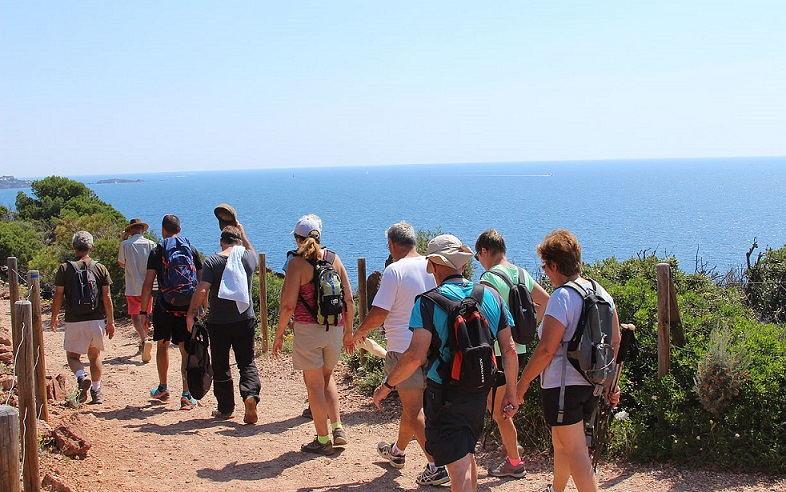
{"type": "Point", "coordinates": [104, 87]}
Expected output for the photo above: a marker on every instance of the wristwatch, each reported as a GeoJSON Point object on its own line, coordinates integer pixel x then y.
{"type": "Point", "coordinates": [386, 385]}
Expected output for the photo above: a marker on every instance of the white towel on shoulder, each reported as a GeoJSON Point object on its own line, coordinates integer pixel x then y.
{"type": "Point", "coordinates": [234, 283]}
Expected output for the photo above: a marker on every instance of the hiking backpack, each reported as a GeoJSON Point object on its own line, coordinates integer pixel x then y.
{"type": "Point", "coordinates": [84, 296]}
{"type": "Point", "coordinates": [472, 367]}
{"type": "Point", "coordinates": [521, 308]}
{"type": "Point", "coordinates": [199, 371]}
{"type": "Point", "coordinates": [178, 281]}
{"type": "Point", "coordinates": [328, 291]}
{"type": "Point", "coordinates": [590, 350]}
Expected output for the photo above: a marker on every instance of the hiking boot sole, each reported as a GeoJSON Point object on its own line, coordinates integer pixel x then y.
{"type": "Point", "coordinates": [84, 387]}
{"type": "Point", "coordinates": [147, 351]}
{"type": "Point", "coordinates": [251, 416]}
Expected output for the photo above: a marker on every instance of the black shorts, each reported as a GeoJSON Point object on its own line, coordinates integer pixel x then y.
{"type": "Point", "coordinates": [453, 422]}
{"type": "Point", "coordinates": [579, 404]}
{"type": "Point", "coordinates": [169, 326]}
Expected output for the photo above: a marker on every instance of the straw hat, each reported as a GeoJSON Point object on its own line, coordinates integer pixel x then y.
{"type": "Point", "coordinates": [226, 215]}
{"type": "Point", "coordinates": [136, 223]}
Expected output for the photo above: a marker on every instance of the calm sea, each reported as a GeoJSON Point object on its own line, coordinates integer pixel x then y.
{"type": "Point", "coordinates": [705, 209]}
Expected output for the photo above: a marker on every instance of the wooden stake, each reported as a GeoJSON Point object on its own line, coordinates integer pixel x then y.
{"type": "Point", "coordinates": [664, 325]}
{"type": "Point", "coordinates": [39, 358]}
{"type": "Point", "coordinates": [28, 423]}
{"type": "Point", "coordinates": [9, 448]}
{"type": "Point", "coordinates": [13, 289]}
{"type": "Point", "coordinates": [263, 302]}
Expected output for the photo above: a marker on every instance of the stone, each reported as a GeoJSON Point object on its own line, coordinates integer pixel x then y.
{"type": "Point", "coordinates": [71, 439]}
{"type": "Point", "coordinates": [56, 387]}
{"type": "Point", "coordinates": [6, 340]}
{"type": "Point", "coordinates": [55, 484]}
{"type": "Point", "coordinates": [7, 382]}
{"type": "Point", "coordinates": [4, 349]}
{"type": "Point", "coordinates": [7, 358]}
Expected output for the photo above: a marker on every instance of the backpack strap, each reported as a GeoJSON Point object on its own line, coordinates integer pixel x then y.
{"type": "Point", "coordinates": [503, 276]}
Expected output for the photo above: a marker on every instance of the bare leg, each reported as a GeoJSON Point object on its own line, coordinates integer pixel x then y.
{"type": "Point", "coordinates": [507, 430]}
{"type": "Point", "coordinates": [571, 458]}
{"type": "Point", "coordinates": [74, 362]}
{"type": "Point", "coordinates": [183, 364]}
{"type": "Point", "coordinates": [162, 360]}
{"type": "Point", "coordinates": [413, 422]}
{"type": "Point", "coordinates": [136, 319]}
{"type": "Point", "coordinates": [331, 396]}
{"type": "Point", "coordinates": [315, 386]}
{"type": "Point", "coordinates": [463, 474]}
{"type": "Point", "coordinates": [96, 368]}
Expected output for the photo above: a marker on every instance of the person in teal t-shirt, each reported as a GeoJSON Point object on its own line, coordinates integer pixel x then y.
{"type": "Point", "coordinates": [490, 252]}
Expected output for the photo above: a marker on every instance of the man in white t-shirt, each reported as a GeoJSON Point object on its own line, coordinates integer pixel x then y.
{"type": "Point", "coordinates": [401, 282]}
{"type": "Point", "coordinates": [132, 256]}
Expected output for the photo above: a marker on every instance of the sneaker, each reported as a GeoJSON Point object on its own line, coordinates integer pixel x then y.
{"type": "Point", "coordinates": [251, 411]}
{"type": "Point", "coordinates": [159, 394]}
{"type": "Point", "coordinates": [84, 384]}
{"type": "Point", "coordinates": [188, 402]}
{"type": "Point", "coordinates": [339, 437]}
{"type": "Point", "coordinates": [386, 451]}
{"type": "Point", "coordinates": [147, 351]}
{"type": "Point", "coordinates": [505, 469]}
{"type": "Point", "coordinates": [222, 416]}
{"type": "Point", "coordinates": [317, 447]}
{"type": "Point", "coordinates": [436, 477]}
{"type": "Point", "coordinates": [307, 413]}
{"type": "Point", "coordinates": [96, 397]}
{"type": "Point", "coordinates": [549, 488]}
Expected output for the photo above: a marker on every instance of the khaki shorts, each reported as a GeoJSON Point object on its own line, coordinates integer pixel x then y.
{"type": "Point", "coordinates": [82, 335]}
{"type": "Point", "coordinates": [417, 381]}
{"type": "Point", "coordinates": [314, 347]}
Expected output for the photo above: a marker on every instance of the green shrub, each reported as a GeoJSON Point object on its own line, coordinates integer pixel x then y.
{"type": "Point", "coordinates": [765, 284]}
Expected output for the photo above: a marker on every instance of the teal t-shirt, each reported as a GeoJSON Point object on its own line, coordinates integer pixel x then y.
{"type": "Point", "coordinates": [504, 291]}
{"type": "Point", "coordinates": [436, 321]}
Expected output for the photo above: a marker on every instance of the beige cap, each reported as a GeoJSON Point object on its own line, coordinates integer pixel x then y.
{"type": "Point", "coordinates": [447, 250]}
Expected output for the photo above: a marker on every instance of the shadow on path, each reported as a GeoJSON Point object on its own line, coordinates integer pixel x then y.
{"type": "Point", "coordinates": [259, 470]}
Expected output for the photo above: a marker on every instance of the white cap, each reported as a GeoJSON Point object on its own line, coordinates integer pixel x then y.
{"type": "Point", "coordinates": [306, 224]}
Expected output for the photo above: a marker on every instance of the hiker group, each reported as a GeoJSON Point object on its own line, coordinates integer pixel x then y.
{"type": "Point", "coordinates": [453, 346]}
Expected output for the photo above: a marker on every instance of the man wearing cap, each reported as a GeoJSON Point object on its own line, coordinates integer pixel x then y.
{"type": "Point", "coordinates": [404, 279]}
{"type": "Point", "coordinates": [226, 283]}
{"type": "Point", "coordinates": [454, 420]}
{"type": "Point", "coordinates": [132, 256]}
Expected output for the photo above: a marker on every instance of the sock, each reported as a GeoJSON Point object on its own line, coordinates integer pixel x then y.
{"type": "Point", "coordinates": [186, 394]}
{"type": "Point", "coordinates": [432, 467]}
{"type": "Point", "coordinates": [96, 385]}
{"type": "Point", "coordinates": [161, 387]}
{"type": "Point", "coordinates": [80, 373]}
{"type": "Point", "coordinates": [396, 451]}
{"type": "Point", "coordinates": [323, 439]}
{"type": "Point", "coordinates": [518, 462]}
{"type": "Point", "coordinates": [335, 425]}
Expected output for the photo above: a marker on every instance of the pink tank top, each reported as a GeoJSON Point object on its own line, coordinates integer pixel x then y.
{"type": "Point", "coordinates": [302, 313]}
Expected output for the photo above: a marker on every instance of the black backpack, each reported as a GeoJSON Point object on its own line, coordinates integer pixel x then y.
{"type": "Point", "coordinates": [521, 308]}
{"type": "Point", "coordinates": [84, 296]}
{"type": "Point", "coordinates": [590, 350]}
{"type": "Point", "coordinates": [328, 291]}
{"type": "Point", "coordinates": [472, 367]}
{"type": "Point", "coordinates": [199, 371]}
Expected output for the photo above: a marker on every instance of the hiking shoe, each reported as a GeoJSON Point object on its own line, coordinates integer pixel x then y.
{"type": "Point", "coordinates": [436, 477]}
{"type": "Point", "coordinates": [505, 469]}
{"type": "Point", "coordinates": [251, 411]}
{"type": "Point", "coordinates": [385, 450]}
{"type": "Point", "coordinates": [221, 415]}
{"type": "Point", "coordinates": [339, 437]}
{"type": "Point", "coordinates": [159, 394]}
{"type": "Point", "coordinates": [307, 413]}
{"type": "Point", "coordinates": [317, 447]}
{"type": "Point", "coordinates": [549, 488]}
{"type": "Point", "coordinates": [96, 397]}
{"type": "Point", "coordinates": [84, 384]}
{"type": "Point", "coordinates": [147, 351]}
{"type": "Point", "coordinates": [188, 402]}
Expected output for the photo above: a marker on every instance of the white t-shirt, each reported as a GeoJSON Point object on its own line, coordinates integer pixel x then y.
{"type": "Point", "coordinates": [565, 306]}
{"type": "Point", "coordinates": [133, 254]}
{"type": "Point", "coordinates": [401, 282]}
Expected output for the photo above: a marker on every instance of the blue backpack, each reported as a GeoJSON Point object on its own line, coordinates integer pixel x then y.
{"type": "Point", "coordinates": [178, 279]}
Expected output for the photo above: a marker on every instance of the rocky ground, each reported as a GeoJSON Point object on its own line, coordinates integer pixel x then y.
{"type": "Point", "coordinates": [143, 445]}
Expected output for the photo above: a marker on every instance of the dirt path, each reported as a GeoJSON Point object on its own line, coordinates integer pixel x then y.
{"type": "Point", "coordinates": [144, 445]}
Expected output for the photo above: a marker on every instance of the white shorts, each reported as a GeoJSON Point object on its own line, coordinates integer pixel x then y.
{"type": "Point", "coordinates": [82, 335]}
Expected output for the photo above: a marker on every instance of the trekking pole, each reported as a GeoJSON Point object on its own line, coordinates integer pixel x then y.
{"type": "Point", "coordinates": [601, 417]}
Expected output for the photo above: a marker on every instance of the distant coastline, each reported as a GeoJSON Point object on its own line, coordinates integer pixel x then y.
{"type": "Point", "coordinates": [9, 182]}
{"type": "Point", "coordinates": [118, 181]}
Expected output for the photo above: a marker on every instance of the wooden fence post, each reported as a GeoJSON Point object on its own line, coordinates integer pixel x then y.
{"type": "Point", "coordinates": [39, 358]}
{"type": "Point", "coordinates": [263, 302]}
{"type": "Point", "coordinates": [664, 318]}
{"type": "Point", "coordinates": [9, 448]}
{"type": "Point", "coordinates": [26, 384]}
{"type": "Point", "coordinates": [13, 289]}
{"type": "Point", "coordinates": [362, 296]}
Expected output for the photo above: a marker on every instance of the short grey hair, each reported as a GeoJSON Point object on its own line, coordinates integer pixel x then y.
{"type": "Point", "coordinates": [402, 233]}
{"type": "Point", "coordinates": [82, 241]}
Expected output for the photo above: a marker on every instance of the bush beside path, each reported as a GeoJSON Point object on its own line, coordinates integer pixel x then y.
{"type": "Point", "coordinates": [140, 444]}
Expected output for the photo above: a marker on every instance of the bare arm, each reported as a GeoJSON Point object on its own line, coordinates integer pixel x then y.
{"type": "Point", "coordinates": [197, 301]}
{"type": "Point", "coordinates": [289, 295]}
{"type": "Point", "coordinates": [540, 297]}
{"type": "Point", "coordinates": [553, 331]}
{"type": "Point", "coordinates": [510, 360]}
{"type": "Point", "coordinates": [349, 305]}
{"type": "Point", "coordinates": [147, 290]}
{"type": "Point", "coordinates": [106, 298]}
{"type": "Point", "coordinates": [411, 359]}
{"type": "Point", "coordinates": [374, 319]}
{"type": "Point", "coordinates": [57, 302]}
{"type": "Point", "coordinates": [244, 238]}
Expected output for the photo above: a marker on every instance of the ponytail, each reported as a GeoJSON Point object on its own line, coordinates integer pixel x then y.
{"type": "Point", "coordinates": [310, 248]}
